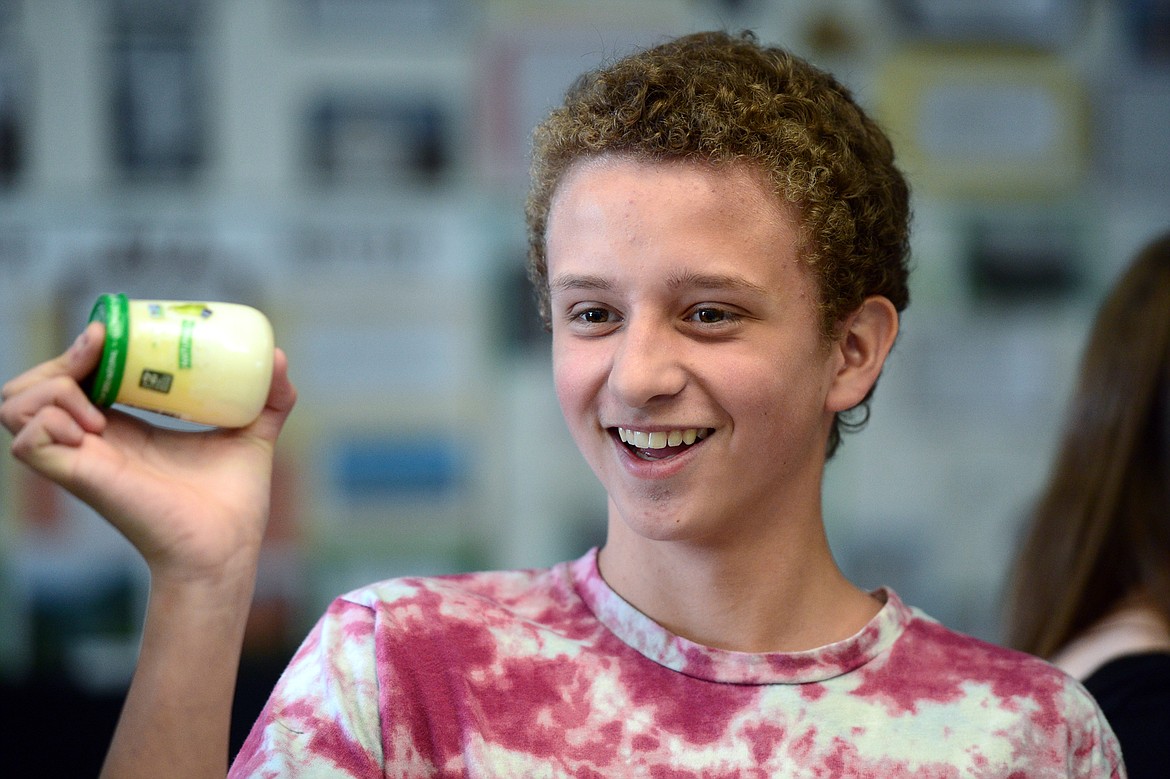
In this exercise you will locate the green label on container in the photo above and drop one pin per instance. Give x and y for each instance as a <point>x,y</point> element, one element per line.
<point>186,336</point>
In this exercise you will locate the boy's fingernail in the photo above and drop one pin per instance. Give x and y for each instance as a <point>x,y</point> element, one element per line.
<point>78,342</point>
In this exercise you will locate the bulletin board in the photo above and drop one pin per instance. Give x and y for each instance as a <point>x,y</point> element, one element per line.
<point>386,320</point>
<point>983,121</point>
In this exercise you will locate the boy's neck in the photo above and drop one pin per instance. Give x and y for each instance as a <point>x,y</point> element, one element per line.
<point>783,594</point>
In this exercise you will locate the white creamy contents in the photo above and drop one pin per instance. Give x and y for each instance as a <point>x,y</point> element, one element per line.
<point>203,362</point>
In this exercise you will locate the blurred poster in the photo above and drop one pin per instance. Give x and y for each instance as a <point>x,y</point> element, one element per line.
<point>158,89</point>
<point>382,139</point>
<point>12,121</point>
<point>1148,25</point>
<point>410,19</point>
<point>1046,23</point>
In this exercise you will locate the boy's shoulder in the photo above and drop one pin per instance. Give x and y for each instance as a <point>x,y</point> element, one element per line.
<point>932,663</point>
<point>520,591</point>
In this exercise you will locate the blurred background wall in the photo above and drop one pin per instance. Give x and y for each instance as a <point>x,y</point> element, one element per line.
<point>356,168</point>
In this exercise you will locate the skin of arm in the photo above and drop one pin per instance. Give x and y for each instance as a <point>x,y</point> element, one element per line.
<point>195,505</point>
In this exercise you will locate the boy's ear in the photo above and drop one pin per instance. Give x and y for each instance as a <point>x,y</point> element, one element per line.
<point>867,336</point>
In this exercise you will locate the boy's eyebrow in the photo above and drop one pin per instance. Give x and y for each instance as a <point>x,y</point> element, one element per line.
<point>713,281</point>
<point>578,281</point>
<point>675,281</point>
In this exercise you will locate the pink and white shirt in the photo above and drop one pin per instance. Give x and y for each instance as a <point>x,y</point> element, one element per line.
<point>549,673</point>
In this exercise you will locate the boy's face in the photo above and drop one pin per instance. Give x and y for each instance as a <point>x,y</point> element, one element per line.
<point>684,324</point>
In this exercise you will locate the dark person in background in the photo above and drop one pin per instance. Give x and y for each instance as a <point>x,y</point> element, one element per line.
<point>1091,587</point>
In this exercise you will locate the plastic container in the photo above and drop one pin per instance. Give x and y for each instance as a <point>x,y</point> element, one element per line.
<point>209,363</point>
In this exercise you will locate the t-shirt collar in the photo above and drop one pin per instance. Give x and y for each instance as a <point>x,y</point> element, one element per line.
<point>650,639</point>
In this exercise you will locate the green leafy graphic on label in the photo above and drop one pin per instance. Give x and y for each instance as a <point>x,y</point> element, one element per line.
<point>155,380</point>
<point>192,309</point>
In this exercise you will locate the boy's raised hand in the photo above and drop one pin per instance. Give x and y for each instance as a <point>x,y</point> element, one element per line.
<point>191,503</point>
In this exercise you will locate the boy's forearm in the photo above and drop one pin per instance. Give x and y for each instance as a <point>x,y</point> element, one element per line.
<point>177,715</point>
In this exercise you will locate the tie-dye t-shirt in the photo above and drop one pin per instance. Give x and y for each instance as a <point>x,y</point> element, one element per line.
<point>549,673</point>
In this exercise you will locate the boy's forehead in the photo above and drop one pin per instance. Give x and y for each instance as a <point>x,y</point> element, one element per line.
<point>720,229</point>
<point>739,197</point>
<point>751,187</point>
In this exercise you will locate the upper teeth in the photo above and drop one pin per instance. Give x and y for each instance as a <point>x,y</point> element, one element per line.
<point>660,439</point>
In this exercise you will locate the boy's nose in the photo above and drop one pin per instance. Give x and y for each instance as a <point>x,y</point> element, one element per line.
<point>646,365</point>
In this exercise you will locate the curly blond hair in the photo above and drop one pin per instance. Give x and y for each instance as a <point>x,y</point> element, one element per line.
<point>718,98</point>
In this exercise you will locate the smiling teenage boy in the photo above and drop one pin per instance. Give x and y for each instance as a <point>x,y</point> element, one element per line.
<point>718,240</point>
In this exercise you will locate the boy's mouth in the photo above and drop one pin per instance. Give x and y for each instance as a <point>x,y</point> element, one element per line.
<point>661,444</point>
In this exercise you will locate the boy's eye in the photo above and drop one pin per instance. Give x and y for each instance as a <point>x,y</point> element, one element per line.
<point>591,315</point>
<point>709,316</point>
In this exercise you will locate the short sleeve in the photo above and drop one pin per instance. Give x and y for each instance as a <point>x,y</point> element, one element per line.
<point>1094,752</point>
<point>322,717</point>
